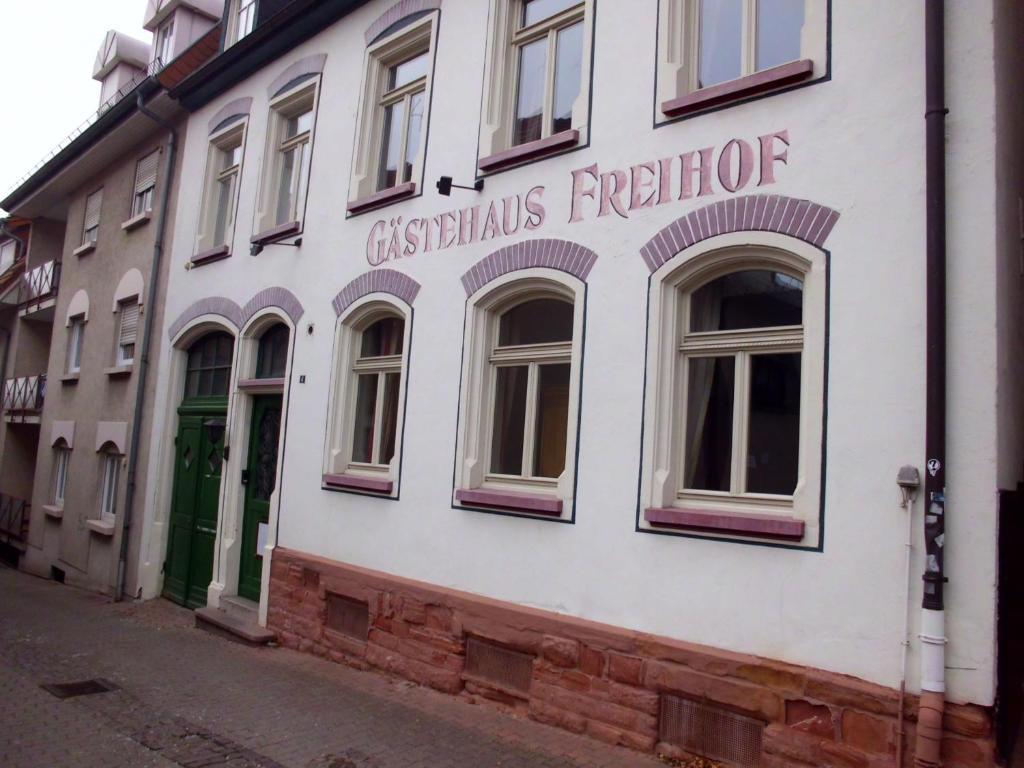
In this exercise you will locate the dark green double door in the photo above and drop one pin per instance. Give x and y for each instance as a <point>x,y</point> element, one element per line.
<point>260,481</point>
<point>199,459</point>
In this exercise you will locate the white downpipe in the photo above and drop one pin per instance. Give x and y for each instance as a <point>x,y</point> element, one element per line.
<point>933,651</point>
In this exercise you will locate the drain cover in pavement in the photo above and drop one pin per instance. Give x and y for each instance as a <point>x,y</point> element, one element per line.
<point>81,688</point>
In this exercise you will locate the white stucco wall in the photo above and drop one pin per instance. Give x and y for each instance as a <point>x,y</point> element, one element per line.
<point>857,145</point>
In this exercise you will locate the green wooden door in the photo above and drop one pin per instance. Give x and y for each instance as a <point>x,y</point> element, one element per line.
<point>199,456</point>
<point>261,479</point>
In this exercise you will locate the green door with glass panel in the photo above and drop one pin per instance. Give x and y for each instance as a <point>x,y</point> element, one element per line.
<point>198,463</point>
<point>260,480</point>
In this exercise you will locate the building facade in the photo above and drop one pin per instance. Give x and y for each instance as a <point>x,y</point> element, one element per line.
<point>577,357</point>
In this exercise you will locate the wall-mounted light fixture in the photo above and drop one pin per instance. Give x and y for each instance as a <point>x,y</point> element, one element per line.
<point>257,248</point>
<point>445,186</point>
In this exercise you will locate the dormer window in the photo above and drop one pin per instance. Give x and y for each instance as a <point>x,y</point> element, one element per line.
<point>242,20</point>
<point>8,250</point>
<point>164,49</point>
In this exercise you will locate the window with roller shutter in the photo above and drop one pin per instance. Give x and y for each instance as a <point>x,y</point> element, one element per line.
<point>91,226</point>
<point>145,183</point>
<point>128,332</point>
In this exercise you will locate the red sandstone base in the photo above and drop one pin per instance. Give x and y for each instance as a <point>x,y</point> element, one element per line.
<point>597,679</point>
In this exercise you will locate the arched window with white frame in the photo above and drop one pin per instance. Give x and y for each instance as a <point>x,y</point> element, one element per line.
<point>520,396</point>
<point>735,399</point>
<point>364,454</point>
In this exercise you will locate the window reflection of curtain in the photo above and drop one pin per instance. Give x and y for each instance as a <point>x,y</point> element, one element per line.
<point>706,315</point>
<point>389,417</point>
<point>552,420</point>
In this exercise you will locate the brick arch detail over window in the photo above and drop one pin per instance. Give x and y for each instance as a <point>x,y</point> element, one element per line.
<point>802,219</point>
<point>563,255</point>
<point>310,65</point>
<point>377,281</point>
<point>280,298</point>
<point>211,305</point>
<point>396,13</point>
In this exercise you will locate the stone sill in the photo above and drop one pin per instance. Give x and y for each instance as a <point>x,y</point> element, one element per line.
<point>741,87</point>
<point>254,386</point>
<point>136,221</point>
<point>357,482</point>
<point>209,256</point>
<point>119,370</point>
<point>53,511</point>
<point>69,378</point>
<point>530,151</point>
<point>101,527</point>
<point>276,233</point>
<point>382,198</point>
<point>532,503</point>
<point>84,248</point>
<point>740,523</point>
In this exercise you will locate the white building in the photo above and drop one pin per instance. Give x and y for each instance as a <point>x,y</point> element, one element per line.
<point>615,439</point>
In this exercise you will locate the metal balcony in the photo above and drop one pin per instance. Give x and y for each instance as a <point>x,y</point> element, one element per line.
<point>23,399</point>
<point>37,291</point>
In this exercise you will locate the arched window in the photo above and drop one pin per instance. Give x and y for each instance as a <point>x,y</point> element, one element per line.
<point>272,356</point>
<point>111,472</point>
<point>209,366</point>
<point>735,394</point>
<point>519,403</point>
<point>61,461</point>
<point>367,408</point>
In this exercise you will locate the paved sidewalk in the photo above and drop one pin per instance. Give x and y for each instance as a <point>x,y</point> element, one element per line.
<point>187,698</point>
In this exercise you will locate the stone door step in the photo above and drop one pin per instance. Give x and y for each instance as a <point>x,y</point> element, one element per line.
<point>227,625</point>
<point>241,608</point>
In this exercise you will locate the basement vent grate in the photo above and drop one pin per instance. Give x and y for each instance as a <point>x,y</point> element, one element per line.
<point>711,732</point>
<point>81,688</point>
<point>348,617</point>
<point>499,665</point>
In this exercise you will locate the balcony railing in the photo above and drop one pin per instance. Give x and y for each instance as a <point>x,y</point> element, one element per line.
<point>14,519</point>
<point>39,284</point>
<point>24,395</point>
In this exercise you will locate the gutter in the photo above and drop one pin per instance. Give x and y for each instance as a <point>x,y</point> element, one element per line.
<point>147,334</point>
<point>928,749</point>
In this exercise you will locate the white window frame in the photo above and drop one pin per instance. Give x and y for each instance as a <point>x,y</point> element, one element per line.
<point>8,251</point>
<point>61,462</point>
<point>242,20</point>
<point>223,141</point>
<point>300,98</point>
<point>664,403</point>
<point>109,478</point>
<point>163,50</point>
<point>679,45</point>
<point>122,359</point>
<point>505,38</point>
<point>76,340</point>
<point>406,43</point>
<point>144,191</point>
<point>344,386</point>
<point>90,234</point>
<point>476,406</point>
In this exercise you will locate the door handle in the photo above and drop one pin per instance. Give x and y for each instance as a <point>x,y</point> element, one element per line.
<point>245,477</point>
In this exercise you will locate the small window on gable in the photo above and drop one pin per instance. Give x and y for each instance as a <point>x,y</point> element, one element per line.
<point>367,410</point>
<point>220,188</point>
<point>76,337</point>
<point>715,51</point>
<point>242,19</point>
<point>518,417</point>
<point>208,371</point>
<point>737,338</point>
<point>538,85</point>
<point>61,461</point>
<point>8,249</point>
<point>91,222</point>
<point>289,150</point>
<point>163,51</point>
<point>394,115</point>
<point>272,355</point>
<point>111,472</point>
<point>145,183</point>
<point>128,329</point>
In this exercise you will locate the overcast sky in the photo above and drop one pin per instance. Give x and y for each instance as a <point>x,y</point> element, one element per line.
<point>46,62</point>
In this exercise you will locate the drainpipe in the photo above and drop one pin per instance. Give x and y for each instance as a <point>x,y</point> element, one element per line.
<point>928,749</point>
<point>147,333</point>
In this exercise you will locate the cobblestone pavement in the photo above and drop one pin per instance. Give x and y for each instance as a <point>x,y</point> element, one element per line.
<point>188,698</point>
